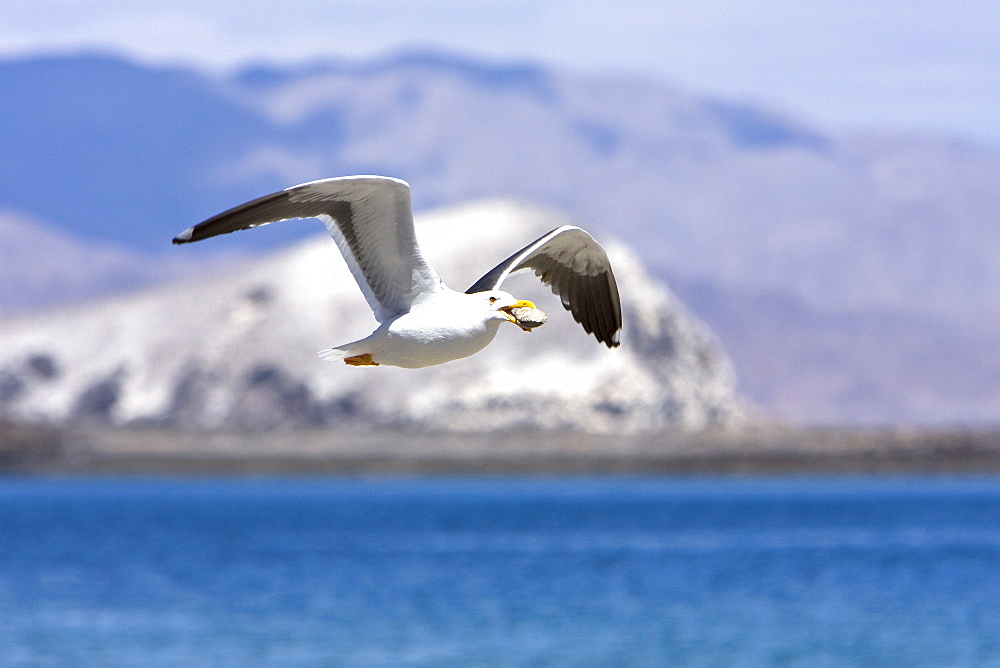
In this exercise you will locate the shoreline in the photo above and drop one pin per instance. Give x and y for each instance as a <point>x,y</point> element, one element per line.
<point>26,450</point>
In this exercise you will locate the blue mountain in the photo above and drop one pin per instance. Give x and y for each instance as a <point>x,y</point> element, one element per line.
<point>830,263</point>
<point>117,151</point>
<point>113,150</point>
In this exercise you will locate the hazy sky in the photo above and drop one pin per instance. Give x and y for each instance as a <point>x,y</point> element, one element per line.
<point>898,64</point>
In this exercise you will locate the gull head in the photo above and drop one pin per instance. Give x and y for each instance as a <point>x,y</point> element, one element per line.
<point>500,304</point>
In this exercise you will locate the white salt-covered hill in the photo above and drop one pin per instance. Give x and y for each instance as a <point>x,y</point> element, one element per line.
<point>238,350</point>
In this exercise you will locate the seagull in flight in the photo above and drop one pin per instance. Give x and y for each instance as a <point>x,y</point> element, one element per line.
<point>422,322</point>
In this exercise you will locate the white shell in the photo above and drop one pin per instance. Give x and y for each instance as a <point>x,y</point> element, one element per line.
<point>529,317</point>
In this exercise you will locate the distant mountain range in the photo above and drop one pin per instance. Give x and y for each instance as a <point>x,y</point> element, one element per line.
<point>41,266</point>
<point>735,204</point>
<point>238,350</point>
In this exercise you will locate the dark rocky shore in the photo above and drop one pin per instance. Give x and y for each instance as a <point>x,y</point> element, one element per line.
<point>772,449</point>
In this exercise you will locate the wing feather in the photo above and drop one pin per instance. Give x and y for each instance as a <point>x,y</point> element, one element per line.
<point>370,219</point>
<point>577,269</point>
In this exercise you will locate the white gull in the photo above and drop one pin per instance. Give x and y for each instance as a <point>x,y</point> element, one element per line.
<point>422,321</point>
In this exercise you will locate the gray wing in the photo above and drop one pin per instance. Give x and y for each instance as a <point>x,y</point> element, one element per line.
<point>370,219</point>
<point>569,261</point>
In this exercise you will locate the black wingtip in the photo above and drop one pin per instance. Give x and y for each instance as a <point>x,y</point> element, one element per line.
<point>184,237</point>
<point>615,340</point>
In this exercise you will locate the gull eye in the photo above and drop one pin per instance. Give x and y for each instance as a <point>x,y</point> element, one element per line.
<point>493,300</point>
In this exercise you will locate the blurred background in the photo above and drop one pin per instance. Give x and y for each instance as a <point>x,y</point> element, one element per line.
<point>817,182</point>
<point>802,206</point>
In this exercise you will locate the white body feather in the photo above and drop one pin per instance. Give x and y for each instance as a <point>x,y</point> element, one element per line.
<point>448,326</point>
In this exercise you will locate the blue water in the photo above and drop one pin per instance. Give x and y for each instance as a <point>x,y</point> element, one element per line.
<point>810,572</point>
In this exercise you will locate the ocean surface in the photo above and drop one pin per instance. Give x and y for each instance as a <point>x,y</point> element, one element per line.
<point>500,572</point>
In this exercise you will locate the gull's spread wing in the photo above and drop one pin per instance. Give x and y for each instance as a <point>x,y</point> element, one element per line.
<point>370,219</point>
<point>569,261</point>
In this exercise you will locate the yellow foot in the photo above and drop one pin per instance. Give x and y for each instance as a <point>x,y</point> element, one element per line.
<point>360,360</point>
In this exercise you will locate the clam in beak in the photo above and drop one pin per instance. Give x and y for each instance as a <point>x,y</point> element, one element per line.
<point>523,303</point>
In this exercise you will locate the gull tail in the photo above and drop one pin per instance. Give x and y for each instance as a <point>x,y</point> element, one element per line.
<point>354,354</point>
<point>337,353</point>
<point>332,354</point>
